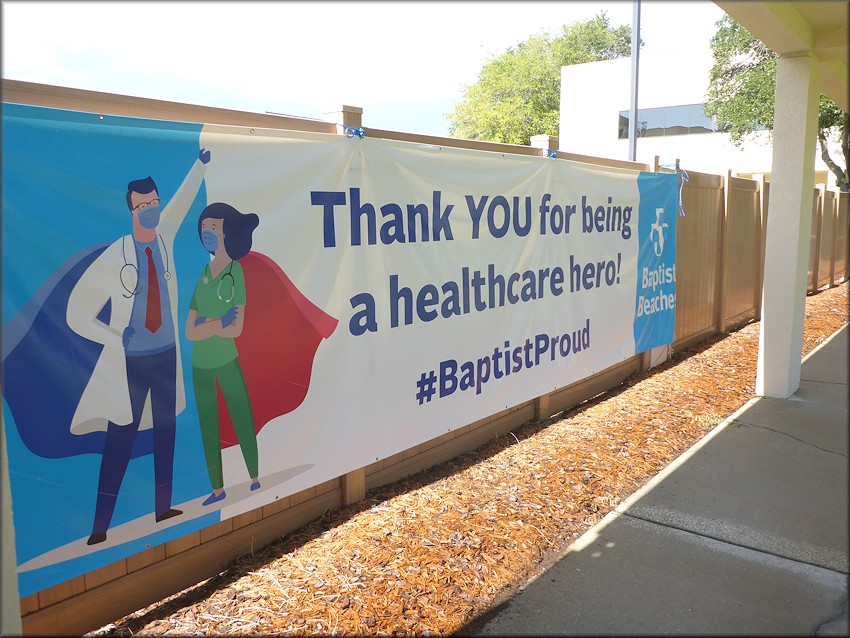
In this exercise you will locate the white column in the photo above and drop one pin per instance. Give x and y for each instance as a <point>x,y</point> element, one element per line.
<point>789,224</point>
<point>10,620</point>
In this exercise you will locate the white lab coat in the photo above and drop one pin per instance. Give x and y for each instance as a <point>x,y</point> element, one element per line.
<point>107,396</point>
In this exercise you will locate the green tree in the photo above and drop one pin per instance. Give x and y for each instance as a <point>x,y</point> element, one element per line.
<point>518,93</point>
<point>741,94</point>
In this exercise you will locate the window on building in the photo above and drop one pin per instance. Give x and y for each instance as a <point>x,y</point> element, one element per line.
<point>686,119</point>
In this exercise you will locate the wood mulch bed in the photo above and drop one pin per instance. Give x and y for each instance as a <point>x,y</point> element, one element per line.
<point>429,554</point>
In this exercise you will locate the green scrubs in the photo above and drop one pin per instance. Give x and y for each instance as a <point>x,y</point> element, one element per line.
<point>216,359</point>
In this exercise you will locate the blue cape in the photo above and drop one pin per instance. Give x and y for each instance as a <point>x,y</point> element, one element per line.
<point>46,367</point>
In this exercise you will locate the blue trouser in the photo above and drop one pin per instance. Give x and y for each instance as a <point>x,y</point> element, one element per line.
<point>157,374</point>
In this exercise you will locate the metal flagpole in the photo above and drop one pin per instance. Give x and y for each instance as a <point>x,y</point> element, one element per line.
<point>634,96</point>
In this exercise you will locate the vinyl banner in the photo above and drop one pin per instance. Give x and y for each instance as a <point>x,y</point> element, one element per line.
<point>200,320</point>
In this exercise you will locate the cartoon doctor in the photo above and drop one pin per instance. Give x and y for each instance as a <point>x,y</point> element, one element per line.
<point>137,382</point>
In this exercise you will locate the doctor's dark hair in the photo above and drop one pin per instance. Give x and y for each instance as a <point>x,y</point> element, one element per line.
<point>238,227</point>
<point>140,186</point>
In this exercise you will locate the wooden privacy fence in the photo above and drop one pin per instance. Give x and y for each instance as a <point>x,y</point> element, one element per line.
<point>720,257</point>
<point>828,246</point>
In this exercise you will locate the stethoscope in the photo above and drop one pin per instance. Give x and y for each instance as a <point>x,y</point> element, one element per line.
<point>133,269</point>
<point>207,279</point>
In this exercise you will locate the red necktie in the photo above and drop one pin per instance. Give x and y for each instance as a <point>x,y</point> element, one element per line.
<point>153,313</point>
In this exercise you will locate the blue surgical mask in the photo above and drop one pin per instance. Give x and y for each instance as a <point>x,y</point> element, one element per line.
<point>149,216</point>
<point>209,239</point>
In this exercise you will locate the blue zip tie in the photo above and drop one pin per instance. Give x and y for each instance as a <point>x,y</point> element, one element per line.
<point>683,177</point>
<point>351,132</point>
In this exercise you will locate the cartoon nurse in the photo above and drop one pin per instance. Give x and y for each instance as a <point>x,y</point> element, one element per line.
<point>216,318</point>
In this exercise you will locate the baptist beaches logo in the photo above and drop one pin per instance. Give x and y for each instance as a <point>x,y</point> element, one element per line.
<point>661,275</point>
<point>658,232</point>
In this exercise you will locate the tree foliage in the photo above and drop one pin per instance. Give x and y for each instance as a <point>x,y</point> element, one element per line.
<point>742,89</point>
<point>518,93</point>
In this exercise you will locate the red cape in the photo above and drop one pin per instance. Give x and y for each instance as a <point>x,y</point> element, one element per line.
<point>282,331</point>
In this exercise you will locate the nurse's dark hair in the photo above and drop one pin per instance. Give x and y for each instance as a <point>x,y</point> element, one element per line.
<point>238,227</point>
<point>140,186</point>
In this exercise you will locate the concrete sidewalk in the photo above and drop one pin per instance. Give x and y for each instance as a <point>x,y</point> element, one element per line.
<point>745,534</point>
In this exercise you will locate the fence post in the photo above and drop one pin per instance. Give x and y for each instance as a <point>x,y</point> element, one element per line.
<point>722,271</point>
<point>833,239</point>
<point>351,116</point>
<point>818,226</point>
<point>10,620</point>
<point>545,143</point>
<point>841,223</point>
<point>352,484</point>
<point>762,222</point>
<point>645,358</point>
<point>541,408</point>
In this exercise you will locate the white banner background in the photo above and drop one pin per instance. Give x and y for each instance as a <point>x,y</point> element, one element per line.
<point>418,349</point>
<point>362,405</point>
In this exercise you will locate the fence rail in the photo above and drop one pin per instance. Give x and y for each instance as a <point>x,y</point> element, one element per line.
<point>720,261</point>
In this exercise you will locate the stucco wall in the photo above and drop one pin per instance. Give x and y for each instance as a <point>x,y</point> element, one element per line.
<point>593,94</point>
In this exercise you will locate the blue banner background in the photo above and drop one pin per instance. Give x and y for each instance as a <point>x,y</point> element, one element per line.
<point>70,172</point>
<point>657,191</point>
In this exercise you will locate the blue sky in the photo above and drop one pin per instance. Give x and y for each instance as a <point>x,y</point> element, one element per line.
<point>405,63</point>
